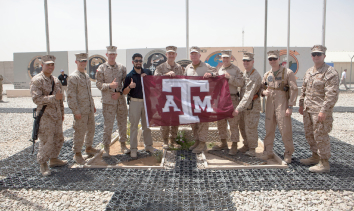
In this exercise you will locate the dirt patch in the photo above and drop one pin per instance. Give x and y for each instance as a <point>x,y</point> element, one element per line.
<point>148,161</point>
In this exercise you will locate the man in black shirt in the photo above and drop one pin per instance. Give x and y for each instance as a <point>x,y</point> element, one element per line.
<point>63,79</point>
<point>132,87</point>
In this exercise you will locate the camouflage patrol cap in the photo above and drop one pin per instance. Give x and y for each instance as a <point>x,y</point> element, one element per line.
<point>226,53</point>
<point>111,49</point>
<point>273,54</point>
<point>48,59</point>
<point>171,49</point>
<point>248,56</point>
<point>195,49</point>
<point>81,57</point>
<point>319,48</point>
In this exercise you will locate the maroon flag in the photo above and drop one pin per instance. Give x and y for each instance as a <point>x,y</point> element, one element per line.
<point>180,100</point>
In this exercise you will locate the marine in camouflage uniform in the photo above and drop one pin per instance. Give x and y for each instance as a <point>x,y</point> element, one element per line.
<point>51,124</point>
<point>1,79</point>
<point>110,77</point>
<point>199,68</point>
<point>169,68</point>
<point>249,106</point>
<point>319,94</point>
<point>279,105</point>
<point>81,103</point>
<point>235,80</point>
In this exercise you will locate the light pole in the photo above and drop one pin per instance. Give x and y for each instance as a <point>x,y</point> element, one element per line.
<point>187,28</point>
<point>46,25</point>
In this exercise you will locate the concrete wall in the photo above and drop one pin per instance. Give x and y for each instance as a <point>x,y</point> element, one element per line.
<point>22,63</point>
<point>7,71</point>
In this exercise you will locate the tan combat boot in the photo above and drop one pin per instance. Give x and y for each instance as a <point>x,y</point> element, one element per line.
<point>44,169</point>
<point>196,143</point>
<point>267,157</point>
<point>165,143</point>
<point>150,149</point>
<point>106,151</point>
<point>200,148</point>
<point>321,167</point>
<point>173,143</point>
<point>221,146</point>
<point>287,158</point>
<point>79,159</point>
<point>233,150</point>
<point>134,153</point>
<point>244,149</point>
<point>251,152</point>
<point>54,162</point>
<point>314,159</point>
<point>91,151</point>
<point>123,148</point>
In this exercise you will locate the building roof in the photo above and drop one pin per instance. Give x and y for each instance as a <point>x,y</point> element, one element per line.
<point>339,56</point>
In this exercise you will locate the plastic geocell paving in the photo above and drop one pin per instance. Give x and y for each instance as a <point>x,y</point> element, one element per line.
<point>238,158</point>
<point>185,187</point>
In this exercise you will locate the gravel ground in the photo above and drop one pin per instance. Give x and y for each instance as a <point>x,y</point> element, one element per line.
<point>15,132</point>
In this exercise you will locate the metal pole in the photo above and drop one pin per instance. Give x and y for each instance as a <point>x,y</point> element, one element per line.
<point>187,29</point>
<point>46,25</point>
<point>287,48</point>
<point>110,23</point>
<point>324,23</point>
<point>86,36</point>
<point>265,46</point>
<point>351,61</point>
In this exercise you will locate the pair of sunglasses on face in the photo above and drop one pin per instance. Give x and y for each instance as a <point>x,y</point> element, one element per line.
<point>316,54</point>
<point>138,61</point>
<point>272,59</point>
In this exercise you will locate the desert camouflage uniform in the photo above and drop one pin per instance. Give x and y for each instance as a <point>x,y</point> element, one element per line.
<point>249,109</point>
<point>277,103</point>
<point>1,79</point>
<point>200,130</point>
<point>112,109</point>
<point>319,93</point>
<point>80,101</point>
<point>236,80</point>
<point>162,69</point>
<point>51,124</point>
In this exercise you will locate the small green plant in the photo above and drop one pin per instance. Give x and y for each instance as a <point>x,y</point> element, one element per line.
<point>158,155</point>
<point>182,141</point>
<point>211,145</point>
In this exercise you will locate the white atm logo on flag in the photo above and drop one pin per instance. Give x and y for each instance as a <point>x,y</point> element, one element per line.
<point>186,85</point>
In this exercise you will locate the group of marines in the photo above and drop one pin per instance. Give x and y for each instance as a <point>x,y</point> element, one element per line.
<point>318,96</point>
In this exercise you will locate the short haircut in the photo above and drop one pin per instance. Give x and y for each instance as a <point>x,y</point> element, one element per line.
<point>137,55</point>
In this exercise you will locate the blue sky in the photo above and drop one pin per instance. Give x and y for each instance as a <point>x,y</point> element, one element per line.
<point>158,23</point>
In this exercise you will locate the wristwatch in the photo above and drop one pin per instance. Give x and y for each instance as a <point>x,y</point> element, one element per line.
<point>121,93</point>
<point>290,107</point>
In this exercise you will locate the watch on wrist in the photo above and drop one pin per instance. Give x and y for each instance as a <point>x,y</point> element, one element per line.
<point>290,107</point>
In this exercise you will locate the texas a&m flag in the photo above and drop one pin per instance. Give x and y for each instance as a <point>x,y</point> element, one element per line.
<point>180,100</point>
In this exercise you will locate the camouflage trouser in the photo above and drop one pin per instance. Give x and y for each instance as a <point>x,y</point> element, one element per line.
<point>200,131</point>
<point>169,129</point>
<point>249,127</point>
<point>317,134</point>
<point>82,127</point>
<point>111,112</point>
<point>222,125</point>
<point>52,139</point>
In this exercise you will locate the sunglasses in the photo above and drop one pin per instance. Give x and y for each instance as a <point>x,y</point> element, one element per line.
<point>246,60</point>
<point>272,59</point>
<point>316,54</point>
<point>138,61</point>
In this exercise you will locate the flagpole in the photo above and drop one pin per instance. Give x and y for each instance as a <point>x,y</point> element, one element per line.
<point>187,28</point>
<point>288,44</point>
<point>265,46</point>
<point>110,22</point>
<point>324,23</point>
<point>46,25</point>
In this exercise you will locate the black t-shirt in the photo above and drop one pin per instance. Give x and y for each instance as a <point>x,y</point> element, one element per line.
<point>136,92</point>
<point>63,79</point>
